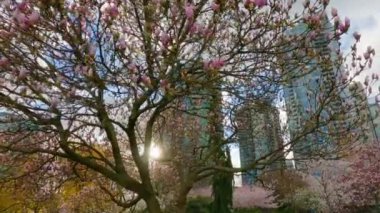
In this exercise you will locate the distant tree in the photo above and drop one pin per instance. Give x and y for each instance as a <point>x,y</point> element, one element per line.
<point>362,181</point>
<point>284,184</point>
<point>253,197</point>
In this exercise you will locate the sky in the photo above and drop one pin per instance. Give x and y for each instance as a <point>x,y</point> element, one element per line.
<point>365,19</point>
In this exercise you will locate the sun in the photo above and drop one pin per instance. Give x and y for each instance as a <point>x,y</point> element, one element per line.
<point>155,152</point>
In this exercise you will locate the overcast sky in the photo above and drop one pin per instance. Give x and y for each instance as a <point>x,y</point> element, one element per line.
<point>365,18</point>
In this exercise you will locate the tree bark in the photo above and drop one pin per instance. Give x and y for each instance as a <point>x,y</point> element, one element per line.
<point>152,204</point>
<point>180,205</point>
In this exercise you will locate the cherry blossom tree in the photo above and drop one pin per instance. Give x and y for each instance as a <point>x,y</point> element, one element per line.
<point>361,183</point>
<point>97,77</point>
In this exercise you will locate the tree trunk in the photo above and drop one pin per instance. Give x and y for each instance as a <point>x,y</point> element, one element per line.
<point>181,204</point>
<point>152,204</point>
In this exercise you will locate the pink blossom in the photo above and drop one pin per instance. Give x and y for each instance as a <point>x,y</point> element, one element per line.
<point>315,19</point>
<point>164,83</point>
<point>33,18</point>
<point>255,196</point>
<point>23,6</point>
<point>343,27</point>
<point>261,3</point>
<point>357,36</point>
<point>165,39</point>
<point>334,12</point>
<point>19,17</point>
<point>347,22</point>
<point>249,4</point>
<point>193,28</point>
<point>312,35</point>
<point>110,10</point>
<point>215,7</point>
<point>189,11</point>
<point>132,67</point>
<point>5,34</point>
<point>146,81</point>
<point>121,44</point>
<point>113,11</point>
<point>4,62</point>
<point>213,64</point>
<point>217,64</point>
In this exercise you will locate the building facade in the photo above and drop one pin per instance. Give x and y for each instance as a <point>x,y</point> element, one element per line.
<point>313,100</point>
<point>258,135</point>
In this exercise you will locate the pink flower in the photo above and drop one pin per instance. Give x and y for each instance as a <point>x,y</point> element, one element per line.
<point>347,22</point>
<point>113,11</point>
<point>5,34</point>
<point>343,27</point>
<point>261,3</point>
<point>132,67</point>
<point>193,28</point>
<point>315,19</point>
<point>146,81</point>
<point>312,35</point>
<point>189,11</point>
<point>165,39</point>
<point>215,7</point>
<point>4,62</point>
<point>334,12</point>
<point>164,84</point>
<point>23,6</point>
<point>110,10</point>
<point>19,17</point>
<point>121,44</point>
<point>249,4</point>
<point>33,18</point>
<point>213,64</point>
<point>357,36</point>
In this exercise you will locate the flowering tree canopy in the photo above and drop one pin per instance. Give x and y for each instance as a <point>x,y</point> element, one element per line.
<point>97,77</point>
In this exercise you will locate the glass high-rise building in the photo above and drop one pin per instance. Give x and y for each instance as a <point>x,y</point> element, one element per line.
<point>313,100</point>
<point>258,135</point>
